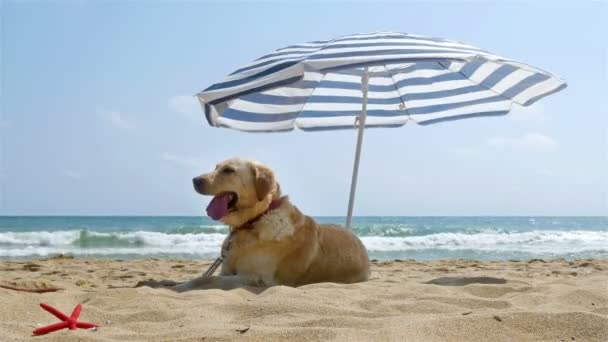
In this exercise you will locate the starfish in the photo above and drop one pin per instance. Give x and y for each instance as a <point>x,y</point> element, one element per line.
<point>71,322</point>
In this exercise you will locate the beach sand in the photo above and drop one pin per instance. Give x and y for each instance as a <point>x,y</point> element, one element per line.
<point>538,300</point>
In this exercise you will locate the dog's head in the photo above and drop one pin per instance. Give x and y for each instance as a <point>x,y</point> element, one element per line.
<point>241,190</point>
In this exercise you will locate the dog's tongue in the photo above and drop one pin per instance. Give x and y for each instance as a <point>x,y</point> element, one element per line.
<point>218,207</point>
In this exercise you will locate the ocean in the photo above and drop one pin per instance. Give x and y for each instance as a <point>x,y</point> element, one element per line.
<point>421,238</point>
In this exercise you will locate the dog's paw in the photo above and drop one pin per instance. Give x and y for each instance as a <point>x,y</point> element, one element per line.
<point>156,284</point>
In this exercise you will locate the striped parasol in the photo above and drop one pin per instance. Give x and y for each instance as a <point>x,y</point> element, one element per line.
<point>383,79</point>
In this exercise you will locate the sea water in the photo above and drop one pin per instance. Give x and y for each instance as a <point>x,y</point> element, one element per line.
<point>421,238</point>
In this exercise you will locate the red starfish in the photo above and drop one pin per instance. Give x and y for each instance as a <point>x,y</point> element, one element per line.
<point>68,322</point>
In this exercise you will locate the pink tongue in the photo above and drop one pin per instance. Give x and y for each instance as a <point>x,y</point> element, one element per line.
<point>218,207</point>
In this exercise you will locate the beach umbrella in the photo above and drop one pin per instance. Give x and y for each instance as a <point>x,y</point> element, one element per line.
<point>383,79</point>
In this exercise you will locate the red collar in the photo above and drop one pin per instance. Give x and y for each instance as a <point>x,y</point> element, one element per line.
<point>249,224</point>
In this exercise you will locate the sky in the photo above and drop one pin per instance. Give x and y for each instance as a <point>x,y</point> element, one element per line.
<point>97,114</point>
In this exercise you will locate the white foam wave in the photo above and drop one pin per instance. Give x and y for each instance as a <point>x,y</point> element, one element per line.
<point>110,252</point>
<point>13,244</point>
<point>26,244</point>
<point>534,241</point>
<point>39,238</point>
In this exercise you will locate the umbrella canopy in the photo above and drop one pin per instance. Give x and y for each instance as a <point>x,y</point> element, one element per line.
<point>381,79</point>
<point>317,85</point>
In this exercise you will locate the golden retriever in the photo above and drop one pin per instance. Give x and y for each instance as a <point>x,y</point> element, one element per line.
<point>271,242</point>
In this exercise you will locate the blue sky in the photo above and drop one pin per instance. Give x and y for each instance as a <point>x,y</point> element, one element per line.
<point>97,114</point>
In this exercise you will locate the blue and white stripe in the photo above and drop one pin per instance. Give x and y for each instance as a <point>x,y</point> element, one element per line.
<point>317,85</point>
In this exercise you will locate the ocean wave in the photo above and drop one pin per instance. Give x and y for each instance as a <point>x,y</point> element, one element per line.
<point>145,243</point>
<point>112,253</point>
<point>208,229</point>
<point>87,239</point>
<point>531,242</point>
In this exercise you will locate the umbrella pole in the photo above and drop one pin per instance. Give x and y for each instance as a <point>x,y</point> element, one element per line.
<point>361,119</point>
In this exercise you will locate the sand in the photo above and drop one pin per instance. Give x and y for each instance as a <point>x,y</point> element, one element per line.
<point>405,300</point>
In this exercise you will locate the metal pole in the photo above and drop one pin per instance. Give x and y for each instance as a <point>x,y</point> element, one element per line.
<point>362,117</point>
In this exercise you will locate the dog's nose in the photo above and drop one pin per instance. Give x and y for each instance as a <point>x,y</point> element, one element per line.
<point>199,184</point>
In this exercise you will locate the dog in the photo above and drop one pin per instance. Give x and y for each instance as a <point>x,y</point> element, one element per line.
<point>270,241</point>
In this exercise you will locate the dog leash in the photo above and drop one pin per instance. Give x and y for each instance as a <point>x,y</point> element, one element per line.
<point>220,259</point>
<point>213,267</point>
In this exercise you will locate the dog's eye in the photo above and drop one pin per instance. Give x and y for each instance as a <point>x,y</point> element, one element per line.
<point>227,170</point>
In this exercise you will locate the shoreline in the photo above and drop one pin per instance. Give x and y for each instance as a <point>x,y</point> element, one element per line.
<point>452,299</point>
<point>203,260</point>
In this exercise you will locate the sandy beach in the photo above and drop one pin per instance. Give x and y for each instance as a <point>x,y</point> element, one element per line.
<point>405,300</point>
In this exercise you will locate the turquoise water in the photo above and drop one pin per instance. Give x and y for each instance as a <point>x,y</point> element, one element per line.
<point>422,238</point>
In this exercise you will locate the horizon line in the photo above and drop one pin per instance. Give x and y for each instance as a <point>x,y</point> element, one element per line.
<point>320,216</point>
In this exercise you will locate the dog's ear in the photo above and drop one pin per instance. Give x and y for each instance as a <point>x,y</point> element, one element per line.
<point>264,180</point>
